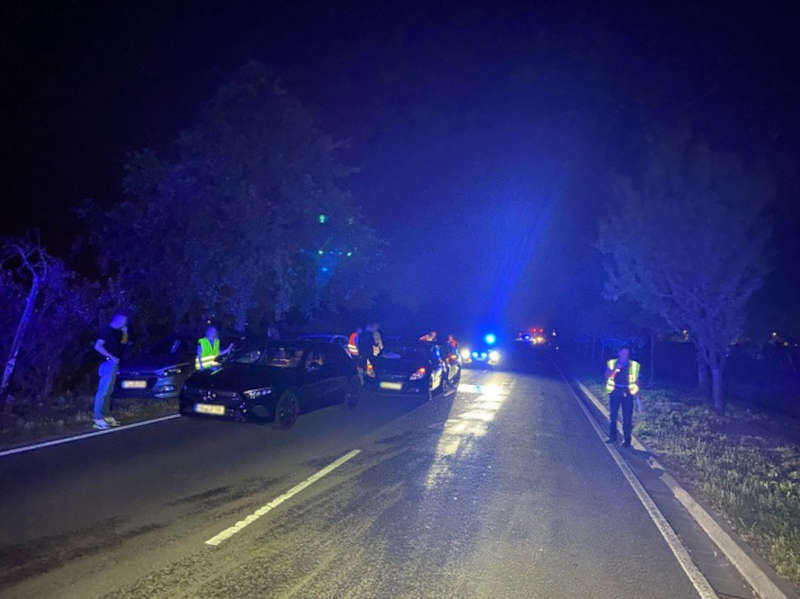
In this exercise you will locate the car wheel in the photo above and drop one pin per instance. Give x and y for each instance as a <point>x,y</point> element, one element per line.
<point>352,394</point>
<point>287,408</point>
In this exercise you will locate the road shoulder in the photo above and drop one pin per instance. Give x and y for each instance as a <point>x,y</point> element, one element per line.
<point>726,560</point>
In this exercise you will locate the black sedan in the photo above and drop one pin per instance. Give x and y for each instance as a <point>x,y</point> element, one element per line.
<point>413,368</point>
<point>274,380</point>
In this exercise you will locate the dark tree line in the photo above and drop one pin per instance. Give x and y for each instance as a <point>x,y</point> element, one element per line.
<point>249,219</point>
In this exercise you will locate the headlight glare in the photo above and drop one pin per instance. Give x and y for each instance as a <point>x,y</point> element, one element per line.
<point>255,393</point>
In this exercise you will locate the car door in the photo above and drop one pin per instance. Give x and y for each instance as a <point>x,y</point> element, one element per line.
<point>313,376</point>
<point>337,370</point>
<point>436,366</point>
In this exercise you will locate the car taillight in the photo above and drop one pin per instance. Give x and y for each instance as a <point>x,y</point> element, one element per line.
<point>418,374</point>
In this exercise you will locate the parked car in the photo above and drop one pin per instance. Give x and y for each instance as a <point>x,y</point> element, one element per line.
<point>158,372</point>
<point>413,368</point>
<point>275,380</point>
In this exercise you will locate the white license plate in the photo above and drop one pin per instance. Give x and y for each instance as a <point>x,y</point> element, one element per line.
<point>208,408</point>
<point>392,386</point>
<point>134,384</point>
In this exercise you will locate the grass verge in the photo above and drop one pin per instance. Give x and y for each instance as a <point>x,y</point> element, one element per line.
<point>73,415</point>
<point>746,464</point>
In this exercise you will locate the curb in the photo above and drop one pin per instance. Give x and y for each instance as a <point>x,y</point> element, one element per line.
<point>752,572</point>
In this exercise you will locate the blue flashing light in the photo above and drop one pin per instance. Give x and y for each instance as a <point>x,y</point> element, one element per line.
<point>323,218</point>
<point>490,338</point>
<point>324,269</point>
<point>320,252</point>
<point>349,254</point>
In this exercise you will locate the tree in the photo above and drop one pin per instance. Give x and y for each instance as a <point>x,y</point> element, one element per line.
<point>231,228</point>
<point>687,240</point>
<point>30,262</point>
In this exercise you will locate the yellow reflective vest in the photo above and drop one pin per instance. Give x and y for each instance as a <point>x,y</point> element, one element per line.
<point>208,352</point>
<point>633,377</point>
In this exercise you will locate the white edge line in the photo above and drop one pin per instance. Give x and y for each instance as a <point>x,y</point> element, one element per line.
<point>749,570</point>
<point>63,440</point>
<point>266,508</point>
<point>696,577</point>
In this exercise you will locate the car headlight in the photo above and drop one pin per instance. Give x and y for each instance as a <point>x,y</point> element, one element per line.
<point>465,354</point>
<point>417,374</point>
<point>494,356</point>
<point>175,370</point>
<point>260,392</point>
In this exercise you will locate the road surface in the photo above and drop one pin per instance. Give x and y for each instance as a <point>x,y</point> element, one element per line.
<point>500,490</point>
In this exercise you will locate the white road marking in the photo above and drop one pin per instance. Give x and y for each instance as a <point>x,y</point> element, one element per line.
<point>265,509</point>
<point>701,585</point>
<point>63,440</point>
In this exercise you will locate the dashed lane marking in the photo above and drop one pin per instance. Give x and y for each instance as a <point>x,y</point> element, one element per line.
<point>265,509</point>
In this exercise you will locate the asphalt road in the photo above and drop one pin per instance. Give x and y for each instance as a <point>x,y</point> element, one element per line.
<point>500,490</point>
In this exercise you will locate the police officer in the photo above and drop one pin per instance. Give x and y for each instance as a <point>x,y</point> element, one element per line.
<point>622,386</point>
<point>208,350</point>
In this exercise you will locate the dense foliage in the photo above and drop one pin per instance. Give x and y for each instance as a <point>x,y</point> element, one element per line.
<point>248,223</point>
<point>687,240</point>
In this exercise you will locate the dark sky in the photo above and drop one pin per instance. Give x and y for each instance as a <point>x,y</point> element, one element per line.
<point>486,131</point>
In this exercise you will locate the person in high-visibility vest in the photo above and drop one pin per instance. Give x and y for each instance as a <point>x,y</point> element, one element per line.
<point>352,342</point>
<point>208,350</point>
<point>622,386</point>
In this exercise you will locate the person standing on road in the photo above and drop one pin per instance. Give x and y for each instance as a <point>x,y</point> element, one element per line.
<point>208,350</point>
<point>377,339</point>
<point>622,386</point>
<point>110,344</point>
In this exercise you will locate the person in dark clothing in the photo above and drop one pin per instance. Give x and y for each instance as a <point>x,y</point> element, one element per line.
<point>366,345</point>
<point>110,344</point>
<point>622,386</point>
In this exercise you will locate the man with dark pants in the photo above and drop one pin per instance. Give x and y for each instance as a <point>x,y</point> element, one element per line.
<point>622,386</point>
<point>110,344</point>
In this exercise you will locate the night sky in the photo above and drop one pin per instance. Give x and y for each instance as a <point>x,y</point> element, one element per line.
<point>485,132</point>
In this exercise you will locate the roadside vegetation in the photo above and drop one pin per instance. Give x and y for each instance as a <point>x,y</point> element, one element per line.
<point>745,463</point>
<point>69,414</point>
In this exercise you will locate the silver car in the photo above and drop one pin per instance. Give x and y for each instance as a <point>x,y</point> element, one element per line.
<point>160,372</point>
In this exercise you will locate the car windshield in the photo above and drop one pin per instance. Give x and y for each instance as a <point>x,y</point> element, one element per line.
<point>407,351</point>
<point>174,346</point>
<point>282,356</point>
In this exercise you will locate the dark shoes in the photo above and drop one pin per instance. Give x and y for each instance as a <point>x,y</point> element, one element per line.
<point>626,444</point>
